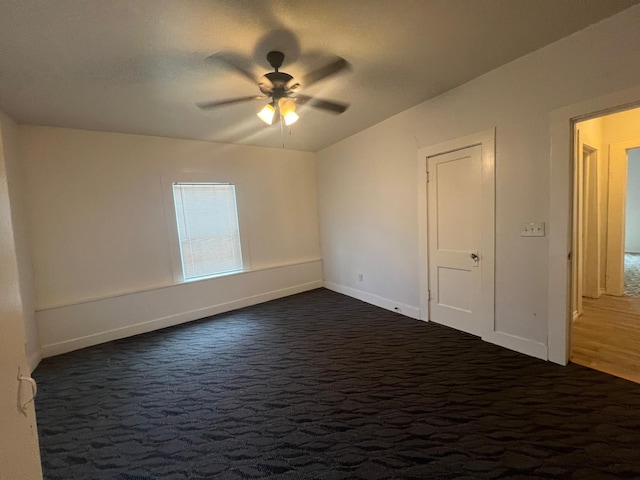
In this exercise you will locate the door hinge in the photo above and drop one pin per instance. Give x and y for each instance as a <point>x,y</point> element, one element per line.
<point>427,176</point>
<point>429,295</point>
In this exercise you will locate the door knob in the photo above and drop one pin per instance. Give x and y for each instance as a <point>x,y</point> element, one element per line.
<point>475,257</point>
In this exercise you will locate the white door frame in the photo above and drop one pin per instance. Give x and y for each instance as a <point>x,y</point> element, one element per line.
<point>487,141</point>
<point>560,206</point>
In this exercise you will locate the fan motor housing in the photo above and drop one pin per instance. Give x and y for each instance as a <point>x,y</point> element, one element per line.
<point>279,81</point>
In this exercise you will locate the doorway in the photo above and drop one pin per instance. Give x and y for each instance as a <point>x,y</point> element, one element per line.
<point>632,226</point>
<point>605,320</point>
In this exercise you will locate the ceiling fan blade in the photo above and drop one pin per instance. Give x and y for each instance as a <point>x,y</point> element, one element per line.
<point>326,71</point>
<point>229,101</point>
<point>328,105</point>
<point>266,86</point>
<point>234,62</point>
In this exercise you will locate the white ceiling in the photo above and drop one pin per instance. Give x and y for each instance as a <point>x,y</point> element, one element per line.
<point>138,66</point>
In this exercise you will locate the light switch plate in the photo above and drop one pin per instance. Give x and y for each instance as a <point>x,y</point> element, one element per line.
<point>533,230</point>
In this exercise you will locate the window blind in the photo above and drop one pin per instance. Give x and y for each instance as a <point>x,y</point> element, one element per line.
<point>208,232</point>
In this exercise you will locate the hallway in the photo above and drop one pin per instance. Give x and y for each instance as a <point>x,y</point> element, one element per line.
<point>606,337</point>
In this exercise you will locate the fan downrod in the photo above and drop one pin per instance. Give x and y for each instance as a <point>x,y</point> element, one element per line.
<point>275,59</point>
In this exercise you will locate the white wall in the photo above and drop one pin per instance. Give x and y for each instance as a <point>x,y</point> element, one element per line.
<point>15,178</point>
<point>19,454</point>
<point>632,227</point>
<point>621,126</point>
<point>98,229</point>
<point>368,183</point>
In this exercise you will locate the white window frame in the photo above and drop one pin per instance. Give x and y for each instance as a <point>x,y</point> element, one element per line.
<point>168,180</point>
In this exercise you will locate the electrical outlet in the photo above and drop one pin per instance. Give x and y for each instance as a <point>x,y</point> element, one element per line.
<point>533,230</point>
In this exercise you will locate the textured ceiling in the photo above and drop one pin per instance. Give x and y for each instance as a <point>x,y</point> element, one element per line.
<point>138,66</point>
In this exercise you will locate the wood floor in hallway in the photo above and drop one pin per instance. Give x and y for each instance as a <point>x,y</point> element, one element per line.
<point>606,337</point>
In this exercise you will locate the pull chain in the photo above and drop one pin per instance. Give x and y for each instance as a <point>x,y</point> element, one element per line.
<point>282,130</point>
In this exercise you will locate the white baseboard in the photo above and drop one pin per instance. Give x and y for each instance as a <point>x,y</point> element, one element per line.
<point>378,301</point>
<point>89,322</point>
<point>34,360</point>
<point>172,320</point>
<point>518,344</point>
<point>512,342</point>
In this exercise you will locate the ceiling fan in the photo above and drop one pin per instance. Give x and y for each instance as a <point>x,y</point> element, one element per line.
<point>281,89</point>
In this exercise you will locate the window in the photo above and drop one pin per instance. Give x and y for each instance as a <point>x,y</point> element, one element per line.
<point>208,232</point>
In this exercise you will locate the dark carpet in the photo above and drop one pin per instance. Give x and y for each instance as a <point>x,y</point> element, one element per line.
<point>322,386</point>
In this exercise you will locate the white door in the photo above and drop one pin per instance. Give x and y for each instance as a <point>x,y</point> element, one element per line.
<point>455,237</point>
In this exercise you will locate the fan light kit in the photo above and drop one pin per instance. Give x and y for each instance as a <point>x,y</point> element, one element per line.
<point>281,89</point>
<point>286,108</point>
